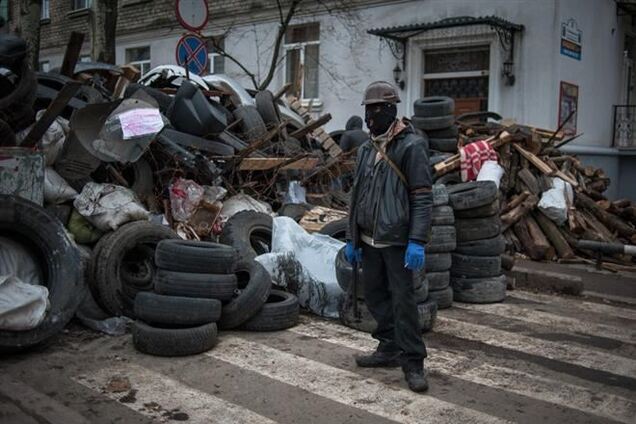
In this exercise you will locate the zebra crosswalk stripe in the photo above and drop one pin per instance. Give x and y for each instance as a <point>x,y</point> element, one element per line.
<point>163,399</point>
<point>345,387</point>
<point>504,378</point>
<point>561,351</point>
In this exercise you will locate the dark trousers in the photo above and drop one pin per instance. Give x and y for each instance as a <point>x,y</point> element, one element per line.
<point>390,297</point>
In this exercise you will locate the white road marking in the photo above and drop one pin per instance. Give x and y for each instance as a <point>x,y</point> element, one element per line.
<point>561,351</point>
<point>504,378</point>
<point>40,405</point>
<point>558,322</point>
<point>582,305</point>
<point>345,387</point>
<point>159,397</point>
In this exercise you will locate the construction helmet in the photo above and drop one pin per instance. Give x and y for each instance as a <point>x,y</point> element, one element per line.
<point>380,92</point>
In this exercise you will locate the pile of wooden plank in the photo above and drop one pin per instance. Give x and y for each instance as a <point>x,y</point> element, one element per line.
<point>531,159</point>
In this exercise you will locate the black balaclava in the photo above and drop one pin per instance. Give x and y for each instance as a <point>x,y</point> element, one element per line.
<point>379,117</point>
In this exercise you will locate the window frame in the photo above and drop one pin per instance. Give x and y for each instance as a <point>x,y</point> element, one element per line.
<point>213,54</point>
<point>87,5</point>
<point>301,47</point>
<point>45,11</point>
<point>139,63</point>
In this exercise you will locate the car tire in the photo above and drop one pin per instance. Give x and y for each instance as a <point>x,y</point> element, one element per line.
<point>434,106</point>
<point>477,228</point>
<point>466,266</point>
<point>440,195</point>
<point>442,239</point>
<point>443,298</point>
<point>443,144</point>
<point>485,247</point>
<point>437,262</point>
<point>255,286</point>
<point>449,132</point>
<point>448,179</point>
<point>118,271</point>
<point>157,309</point>
<point>472,194</point>
<point>280,311</point>
<point>32,225</point>
<point>267,108</point>
<point>249,232</point>
<point>173,341</point>
<point>433,123</point>
<point>186,284</point>
<point>481,212</point>
<point>442,215</point>
<point>336,229</point>
<point>479,290</point>
<point>195,257</point>
<point>438,280</point>
<point>252,125</point>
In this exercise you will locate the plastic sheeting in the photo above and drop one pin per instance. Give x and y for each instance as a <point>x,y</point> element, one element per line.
<point>53,139</point>
<point>555,202</point>
<point>109,206</point>
<point>305,264</point>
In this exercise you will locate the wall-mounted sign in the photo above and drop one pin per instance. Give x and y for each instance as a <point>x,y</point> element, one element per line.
<point>568,104</point>
<point>571,39</point>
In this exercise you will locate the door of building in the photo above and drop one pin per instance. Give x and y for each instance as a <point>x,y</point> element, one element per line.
<point>461,73</point>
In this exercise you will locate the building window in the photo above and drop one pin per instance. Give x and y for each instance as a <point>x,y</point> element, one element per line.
<point>81,4</point>
<point>85,58</point>
<point>140,58</point>
<point>302,52</point>
<point>46,10</point>
<point>4,11</point>
<point>460,73</point>
<point>45,66</point>
<point>216,62</point>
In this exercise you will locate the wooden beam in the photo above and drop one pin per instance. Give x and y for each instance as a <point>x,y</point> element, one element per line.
<point>72,53</point>
<point>516,214</point>
<point>311,125</point>
<point>264,164</point>
<point>553,234</point>
<point>284,89</point>
<point>453,162</point>
<point>533,159</point>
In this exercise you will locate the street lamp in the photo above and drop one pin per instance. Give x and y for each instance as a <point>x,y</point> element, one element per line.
<point>397,76</point>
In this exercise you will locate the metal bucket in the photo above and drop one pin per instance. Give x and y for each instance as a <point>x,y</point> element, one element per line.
<point>22,173</point>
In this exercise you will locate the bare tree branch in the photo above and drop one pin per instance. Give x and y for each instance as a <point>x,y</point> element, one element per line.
<point>220,50</point>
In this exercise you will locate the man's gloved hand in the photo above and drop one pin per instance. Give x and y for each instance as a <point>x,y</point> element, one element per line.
<point>351,254</point>
<point>414,257</point>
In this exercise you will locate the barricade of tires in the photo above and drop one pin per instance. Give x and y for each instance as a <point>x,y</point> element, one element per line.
<point>439,248</point>
<point>435,116</point>
<point>476,273</point>
<point>203,287</point>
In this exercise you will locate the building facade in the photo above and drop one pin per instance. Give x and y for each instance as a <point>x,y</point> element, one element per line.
<point>535,61</point>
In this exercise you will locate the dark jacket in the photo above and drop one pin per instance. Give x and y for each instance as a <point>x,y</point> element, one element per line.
<point>382,206</point>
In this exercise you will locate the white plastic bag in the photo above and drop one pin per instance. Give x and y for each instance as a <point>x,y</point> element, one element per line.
<point>185,196</point>
<point>109,206</point>
<point>306,265</point>
<point>53,139</point>
<point>490,171</point>
<point>243,202</point>
<point>22,306</point>
<point>554,202</point>
<point>295,193</point>
<point>56,189</point>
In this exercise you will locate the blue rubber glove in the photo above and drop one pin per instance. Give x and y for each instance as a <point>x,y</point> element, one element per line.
<point>414,257</point>
<point>351,254</point>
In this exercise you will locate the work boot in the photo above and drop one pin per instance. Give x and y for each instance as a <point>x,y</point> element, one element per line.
<point>379,360</point>
<point>416,378</point>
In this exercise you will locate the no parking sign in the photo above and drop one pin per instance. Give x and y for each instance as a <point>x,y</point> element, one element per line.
<point>192,54</point>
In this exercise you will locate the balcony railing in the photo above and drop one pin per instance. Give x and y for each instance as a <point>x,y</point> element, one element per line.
<point>624,136</point>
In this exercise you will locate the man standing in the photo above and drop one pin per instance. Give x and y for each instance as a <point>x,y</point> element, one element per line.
<point>353,136</point>
<point>389,225</point>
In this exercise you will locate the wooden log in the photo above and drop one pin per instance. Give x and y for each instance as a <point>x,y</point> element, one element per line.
<point>515,201</point>
<point>513,240</point>
<point>72,53</point>
<point>507,262</point>
<point>621,203</point>
<point>606,205</point>
<point>595,228</point>
<point>530,181</point>
<point>516,214</point>
<point>538,237</point>
<point>576,222</point>
<point>628,213</point>
<point>534,160</point>
<point>535,249</point>
<point>312,125</point>
<point>553,234</point>
<point>611,221</point>
<point>599,185</point>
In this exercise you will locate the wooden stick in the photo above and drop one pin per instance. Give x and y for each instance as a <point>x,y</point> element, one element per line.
<point>72,53</point>
<point>284,89</point>
<point>516,201</point>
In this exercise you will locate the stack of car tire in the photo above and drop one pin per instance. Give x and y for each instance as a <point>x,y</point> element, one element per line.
<point>439,248</point>
<point>476,274</point>
<point>435,117</point>
<point>199,288</point>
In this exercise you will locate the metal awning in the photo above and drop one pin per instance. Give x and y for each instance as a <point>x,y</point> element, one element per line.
<point>404,32</point>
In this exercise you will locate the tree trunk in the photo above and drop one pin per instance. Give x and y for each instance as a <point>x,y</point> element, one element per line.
<point>103,30</point>
<point>30,11</point>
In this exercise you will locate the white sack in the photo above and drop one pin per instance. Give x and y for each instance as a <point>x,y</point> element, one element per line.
<point>243,202</point>
<point>53,139</point>
<point>305,264</point>
<point>109,206</point>
<point>16,260</point>
<point>554,202</point>
<point>490,171</point>
<point>22,306</point>
<point>56,189</point>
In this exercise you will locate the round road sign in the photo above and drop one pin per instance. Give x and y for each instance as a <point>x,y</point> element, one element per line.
<point>192,14</point>
<point>192,53</point>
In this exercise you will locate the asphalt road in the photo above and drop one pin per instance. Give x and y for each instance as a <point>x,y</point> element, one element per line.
<point>533,359</point>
